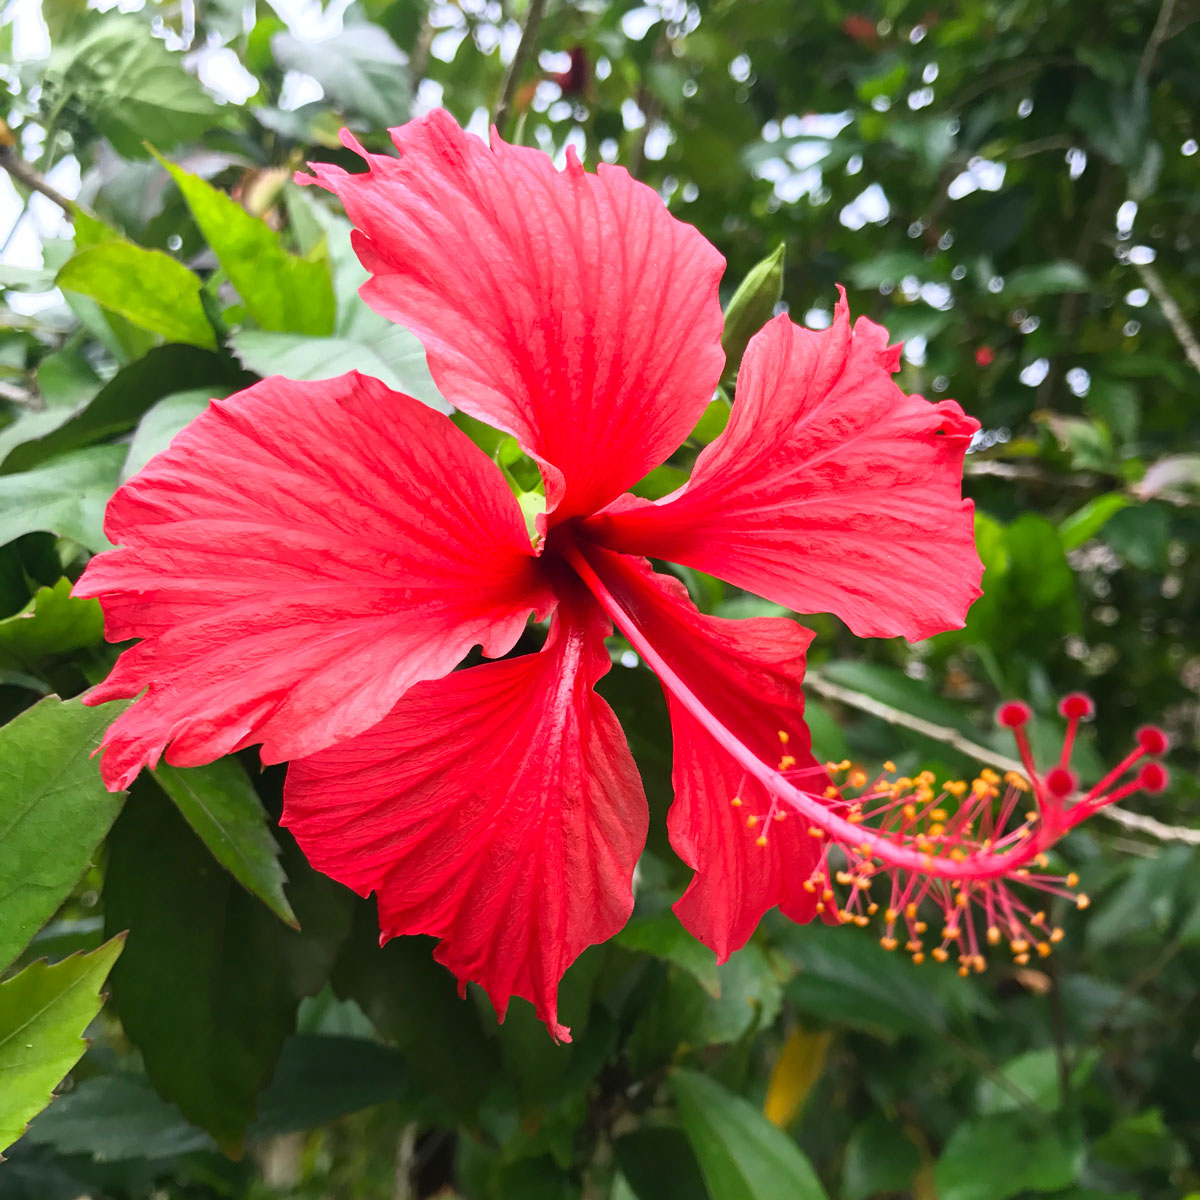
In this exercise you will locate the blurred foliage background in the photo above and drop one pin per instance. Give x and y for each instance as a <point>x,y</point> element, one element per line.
<point>1011,187</point>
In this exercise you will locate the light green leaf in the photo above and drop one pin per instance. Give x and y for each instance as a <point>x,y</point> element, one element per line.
<point>131,86</point>
<point>54,812</point>
<point>362,71</point>
<point>219,802</point>
<point>281,291</point>
<point>53,622</point>
<point>742,1155</point>
<point>393,356</point>
<point>67,496</point>
<point>146,287</point>
<point>160,425</point>
<point>44,1011</point>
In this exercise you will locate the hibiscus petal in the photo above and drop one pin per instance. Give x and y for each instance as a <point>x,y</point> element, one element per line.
<point>748,673</point>
<point>829,491</point>
<point>300,556</point>
<point>570,309</point>
<point>498,809</point>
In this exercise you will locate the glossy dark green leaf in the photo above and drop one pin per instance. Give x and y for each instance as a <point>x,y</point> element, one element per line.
<point>54,812</point>
<point>664,937</point>
<point>220,804</point>
<point>209,1002</point>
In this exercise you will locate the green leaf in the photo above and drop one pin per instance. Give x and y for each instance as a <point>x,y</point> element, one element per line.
<point>118,406</point>
<point>318,1080</point>
<point>1033,1076</point>
<point>44,1011</point>
<point>66,496</point>
<point>392,355</point>
<point>879,1158</point>
<point>210,983</point>
<point>219,802</point>
<point>995,1158</point>
<point>146,287</point>
<point>66,383</point>
<point>412,1001</point>
<point>847,980</point>
<point>131,86</point>
<point>54,812</point>
<point>1085,522</point>
<point>742,1155</point>
<point>658,1164</point>
<point>664,937</point>
<point>363,72</point>
<point>1045,279</point>
<point>52,623</point>
<point>162,423</point>
<point>281,291</point>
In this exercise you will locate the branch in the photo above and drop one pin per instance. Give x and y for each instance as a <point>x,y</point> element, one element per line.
<point>1158,35</point>
<point>957,741</point>
<point>516,68</point>
<point>22,172</point>
<point>1173,313</point>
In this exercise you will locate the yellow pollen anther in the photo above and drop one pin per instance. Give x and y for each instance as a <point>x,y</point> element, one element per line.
<point>809,886</point>
<point>938,814</point>
<point>784,737</point>
<point>1021,959</point>
<point>962,900</point>
<point>890,915</point>
<point>785,762</point>
<point>844,765</point>
<point>1072,880</point>
<point>989,776</point>
<point>993,935</point>
<point>815,831</point>
<point>1082,901</point>
<point>751,821</point>
<point>760,841</point>
<point>910,911</point>
<point>779,816</point>
<point>1056,934</point>
<point>831,792</point>
<point>1041,861</point>
<point>736,802</point>
<point>889,767</point>
<point>940,954</point>
<point>918,958</point>
<point>888,943</point>
<point>1014,779</point>
<point>858,778</point>
<point>1043,949</point>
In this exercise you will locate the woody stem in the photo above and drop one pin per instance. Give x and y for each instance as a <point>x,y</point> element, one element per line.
<point>980,866</point>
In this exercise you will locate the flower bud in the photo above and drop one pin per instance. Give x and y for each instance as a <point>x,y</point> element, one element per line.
<point>752,306</point>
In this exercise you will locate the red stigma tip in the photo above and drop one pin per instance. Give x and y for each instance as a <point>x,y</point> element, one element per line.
<point>1077,706</point>
<point>1153,740</point>
<point>1013,714</point>
<point>1060,782</point>
<point>1154,777</point>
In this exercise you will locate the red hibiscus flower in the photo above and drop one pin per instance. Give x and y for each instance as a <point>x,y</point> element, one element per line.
<point>309,562</point>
